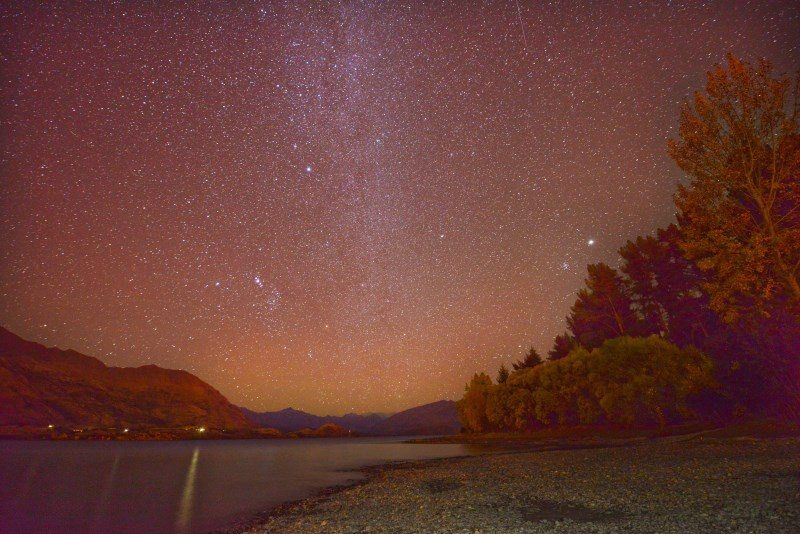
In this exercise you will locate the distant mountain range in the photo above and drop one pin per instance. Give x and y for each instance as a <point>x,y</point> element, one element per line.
<point>42,386</point>
<point>435,418</point>
<point>438,417</point>
<point>291,420</point>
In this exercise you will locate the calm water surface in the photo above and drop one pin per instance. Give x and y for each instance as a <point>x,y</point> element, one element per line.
<point>188,486</point>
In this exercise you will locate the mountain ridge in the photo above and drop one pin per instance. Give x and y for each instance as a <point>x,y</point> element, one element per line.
<point>439,417</point>
<point>42,386</point>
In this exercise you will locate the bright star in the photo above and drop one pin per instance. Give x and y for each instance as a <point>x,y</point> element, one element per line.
<point>590,242</point>
<point>308,168</point>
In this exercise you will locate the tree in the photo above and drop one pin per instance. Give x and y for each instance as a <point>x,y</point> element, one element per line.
<point>628,381</point>
<point>753,358</point>
<point>472,407</point>
<point>509,407</point>
<point>532,359</point>
<point>665,288</point>
<point>603,309</point>
<point>739,143</point>
<point>562,345</point>
<point>502,374</point>
<point>646,380</point>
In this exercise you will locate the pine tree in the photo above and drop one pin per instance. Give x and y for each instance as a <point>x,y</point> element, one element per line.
<point>502,374</point>
<point>603,310</point>
<point>562,345</point>
<point>532,359</point>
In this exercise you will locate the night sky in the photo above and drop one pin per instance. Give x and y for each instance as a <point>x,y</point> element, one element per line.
<point>345,206</point>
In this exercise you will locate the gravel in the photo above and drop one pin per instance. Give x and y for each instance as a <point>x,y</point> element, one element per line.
<point>667,485</point>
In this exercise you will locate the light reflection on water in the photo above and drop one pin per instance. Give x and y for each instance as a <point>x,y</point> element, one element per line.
<point>108,485</point>
<point>165,487</point>
<point>185,510</point>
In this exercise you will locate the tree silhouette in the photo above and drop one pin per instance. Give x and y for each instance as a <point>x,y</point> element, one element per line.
<point>562,345</point>
<point>603,309</point>
<point>532,359</point>
<point>665,288</point>
<point>502,374</point>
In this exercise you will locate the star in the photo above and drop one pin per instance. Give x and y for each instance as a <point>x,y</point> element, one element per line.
<point>263,173</point>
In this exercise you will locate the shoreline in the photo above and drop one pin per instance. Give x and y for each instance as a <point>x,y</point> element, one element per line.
<point>387,493</point>
<point>369,474</point>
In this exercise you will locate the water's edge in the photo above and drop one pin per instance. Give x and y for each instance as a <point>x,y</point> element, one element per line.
<point>223,486</point>
<point>369,473</point>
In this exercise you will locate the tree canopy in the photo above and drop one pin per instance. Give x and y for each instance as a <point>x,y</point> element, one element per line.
<point>718,290</point>
<point>532,359</point>
<point>739,144</point>
<point>626,382</point>
<point>603,309</point>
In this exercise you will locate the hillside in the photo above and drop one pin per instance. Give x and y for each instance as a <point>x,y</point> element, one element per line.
<point>291,420</point>
<point>435,418</point>
<point>40,386</point>
<point>430,419</point>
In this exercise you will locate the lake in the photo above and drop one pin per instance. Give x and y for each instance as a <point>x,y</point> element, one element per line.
<point>178,486</point>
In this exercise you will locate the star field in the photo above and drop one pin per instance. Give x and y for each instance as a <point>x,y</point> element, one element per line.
<point>345,206</point>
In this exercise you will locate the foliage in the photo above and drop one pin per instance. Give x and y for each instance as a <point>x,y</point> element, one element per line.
<point>562,345</point>
<point>509,407</point>
<point>665,288</point>
<point>603,309</point>
<point>723,280</point>
<point>662,283</point>
<point>472,407</point>
<point>502,374</point>
<point>532,359</point>
<point>645,380</point>
<point>739,142</point>
<point>626,381</point>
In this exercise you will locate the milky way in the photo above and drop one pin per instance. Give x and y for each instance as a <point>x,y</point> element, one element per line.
<point>341,206</point>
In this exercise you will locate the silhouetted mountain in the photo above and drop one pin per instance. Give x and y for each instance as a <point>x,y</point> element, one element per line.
<point>434,418</point>
<point>41,386</point>
<point>291,420</point>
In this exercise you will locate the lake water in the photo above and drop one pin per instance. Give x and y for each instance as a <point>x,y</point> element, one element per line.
<point>184,486</point>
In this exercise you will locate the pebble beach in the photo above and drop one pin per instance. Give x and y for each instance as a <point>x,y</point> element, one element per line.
<point>689,484</point>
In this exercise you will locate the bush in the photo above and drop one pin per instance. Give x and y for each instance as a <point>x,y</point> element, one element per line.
<point>641,381</point>
<point>626,381</point>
